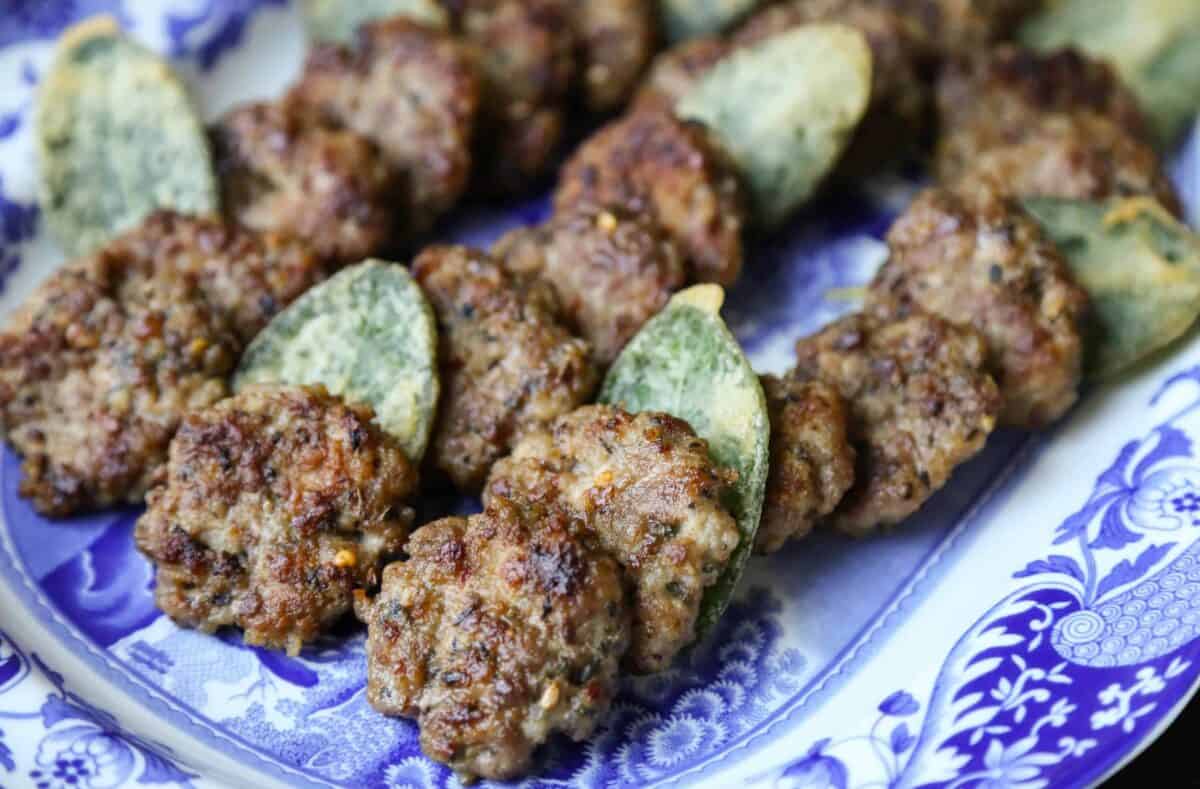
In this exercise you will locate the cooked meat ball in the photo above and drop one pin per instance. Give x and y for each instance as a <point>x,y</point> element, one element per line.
<point>105,357</point>
<point>651,162</point>
<point>1082,156</point>
<point>607,270</point>
<point>276,505</point>
<point>956,26</point>
<point>499,630</point>
<point>616,39</point>
<point>328,186</point>
<point>978,259</point>
<point>675,72</point>
<point>812,460</point>
<point>998,99</point>
<point>415,93</point>
<point>507,365</point>
<point>527,51</point>
<point>647,487</point>
<point>921,402</point>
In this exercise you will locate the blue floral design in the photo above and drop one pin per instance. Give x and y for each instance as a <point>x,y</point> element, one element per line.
<point>213,29</point>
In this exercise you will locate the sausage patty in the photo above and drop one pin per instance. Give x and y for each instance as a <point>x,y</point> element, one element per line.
<point>921,402</point>
<point>976,258</point>
<point>812,459</point>
<point>276,505</point>
<point>608,271</point>
<point>615,39</point>
<point>105,357</point>
<point>647,487</point>
<point>676,71</point>
<point>507,365</point>
<point>498,631</point>
<point>329,186</point>
<point>651,162</point>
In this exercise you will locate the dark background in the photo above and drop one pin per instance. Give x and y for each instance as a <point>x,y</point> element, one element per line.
<point>1171,761</point>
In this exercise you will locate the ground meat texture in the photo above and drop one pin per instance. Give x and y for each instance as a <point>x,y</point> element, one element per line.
<point>997,99</point>
<point>279,171</point>
<point>104,359</point>
<point>675,72</point>
<point>1082,156</point>
<point>616,39</point>
<point>415,93</point>
<point>276,505</point>
<point>651,162</point>
<point>958,26</point>
<point>499,630</point>
<point>812,459</point>
<point>527,51</point>
<point>608,271</point>
<point>921,402</point>
<point>507,365</point>
<point>978,259</point>
<point>647,487</point>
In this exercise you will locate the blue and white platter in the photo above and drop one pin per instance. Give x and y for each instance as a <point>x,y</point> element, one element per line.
<point>1037,624</point>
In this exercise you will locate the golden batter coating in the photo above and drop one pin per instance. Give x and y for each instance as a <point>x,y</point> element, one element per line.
<point>276,505</point>
<point>608,271</point>
<point>651,162</point>
<point>414,92</point>
<point>977,259</point>
<point>647,487</point>
<point>616,39</point>
<point>921,402</point>
<point>507,365</point>
<point>812,459</point>
<point>105,357</point>
<point>498,631</point>
<point>281,172</point>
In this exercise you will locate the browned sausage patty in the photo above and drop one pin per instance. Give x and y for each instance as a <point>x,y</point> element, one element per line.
<point>415,93</point>
<point>959,26</point>
<point>328,186</point>
<point>499,630</point>
<point>647,487</point>
<point>921,402</point>
<point>998,97</point>
<point>609,271</point>
<point>527,51</point>
<point>812,459</point>
<point>676,71</point>
<point>654,163</point>
<point>276,505</point>
<point>507,365</point>
<point>616,39</point>
<point>975,258</point>
<point>104,358</point>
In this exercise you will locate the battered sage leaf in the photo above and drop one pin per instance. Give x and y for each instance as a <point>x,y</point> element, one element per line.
<point>1140,267</point>
<point>1154,44</point>
<point>683,19</point>
<point>367,334</point>
<point>786,109</point>
<point>686,362</point>
<point>338,20</point>
<point>117,138</point>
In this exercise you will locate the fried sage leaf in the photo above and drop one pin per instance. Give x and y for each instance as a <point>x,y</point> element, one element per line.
<point>338,20</point>
<point>686,362</point>
<point>785,110</point>
<point>1154,44</point>
<point>683,19</point>
<point>1140,267</point>
<point>367,334</point>
<point>117,138</point>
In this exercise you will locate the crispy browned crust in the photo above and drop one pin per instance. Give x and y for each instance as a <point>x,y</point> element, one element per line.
<point>607,270</point>
<point>677,70</point>
<point>526,49</point>
<point>282,172</point>
<point>654,163</point>
<point>507,365</point>
<point>647,487</point>
<point>275,506</point>
<point>615,41</point>
<point>975,258</point>
<point>498,631</point>
<point>921,403</point>
<point>812,459</point>
<point>415,93</point>
<point>105,357</point>
<point>963,26</point>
